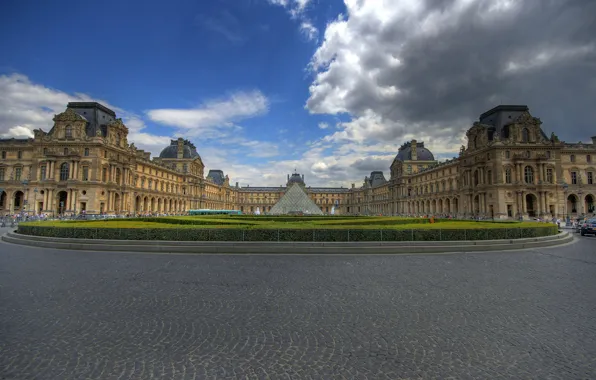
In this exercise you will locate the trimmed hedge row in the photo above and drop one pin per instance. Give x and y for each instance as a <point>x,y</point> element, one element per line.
<point>286,235</point>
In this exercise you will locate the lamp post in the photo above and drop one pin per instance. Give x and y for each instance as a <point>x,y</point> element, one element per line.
<point>25,205</point>
<point>565,188</point>
<point>35,200</point>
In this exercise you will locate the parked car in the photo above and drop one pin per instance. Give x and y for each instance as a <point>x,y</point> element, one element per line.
<point>588,227</point>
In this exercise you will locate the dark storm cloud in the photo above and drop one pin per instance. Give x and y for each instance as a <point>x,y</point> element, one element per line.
<point>539,53</point>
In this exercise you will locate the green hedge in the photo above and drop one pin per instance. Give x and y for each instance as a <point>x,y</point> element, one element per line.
<point>321,235</point>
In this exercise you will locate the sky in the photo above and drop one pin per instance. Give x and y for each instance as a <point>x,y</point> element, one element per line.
<point>329,88</point>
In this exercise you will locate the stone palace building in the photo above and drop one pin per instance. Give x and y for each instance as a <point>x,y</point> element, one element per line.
<point>509,169</point>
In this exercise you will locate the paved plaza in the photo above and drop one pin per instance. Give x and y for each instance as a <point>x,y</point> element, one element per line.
<point>78,315</point>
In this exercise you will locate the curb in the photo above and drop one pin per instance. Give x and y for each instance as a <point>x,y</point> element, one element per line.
<point>286,248</point>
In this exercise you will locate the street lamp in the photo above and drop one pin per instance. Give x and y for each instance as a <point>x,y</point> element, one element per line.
<point>35,199</point>
<point>25,197</point>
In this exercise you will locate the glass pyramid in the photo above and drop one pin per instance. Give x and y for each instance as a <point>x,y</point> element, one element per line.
<point>295,200</point>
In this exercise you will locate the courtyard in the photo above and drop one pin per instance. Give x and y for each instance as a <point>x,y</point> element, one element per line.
<point>515,314</point>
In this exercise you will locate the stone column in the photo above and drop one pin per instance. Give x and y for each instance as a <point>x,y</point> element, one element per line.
<point>540,203</point>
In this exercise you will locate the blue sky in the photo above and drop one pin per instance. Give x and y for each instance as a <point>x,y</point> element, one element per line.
<point>265,86</point>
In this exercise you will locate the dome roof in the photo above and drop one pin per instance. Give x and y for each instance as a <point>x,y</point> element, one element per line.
<point>295,178</point>
<point>171,151</point>
<point>422,153</point>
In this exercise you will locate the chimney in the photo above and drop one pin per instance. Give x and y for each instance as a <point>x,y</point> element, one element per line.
<point>353,186</point>
<point>180,148</point>
<point>594,140</point>
<point>302,177</point>
<point>236,184</point>
<point>414,153</point>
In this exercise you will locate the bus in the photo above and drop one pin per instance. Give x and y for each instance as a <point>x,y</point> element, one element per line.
<point>214,212</point>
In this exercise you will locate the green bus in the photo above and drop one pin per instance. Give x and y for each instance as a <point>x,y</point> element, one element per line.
<point>214,212</point>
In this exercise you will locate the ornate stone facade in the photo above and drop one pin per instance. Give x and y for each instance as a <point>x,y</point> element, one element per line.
<point>509,169</point>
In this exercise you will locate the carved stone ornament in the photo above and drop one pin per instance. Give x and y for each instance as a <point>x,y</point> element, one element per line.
<point>68,115</point>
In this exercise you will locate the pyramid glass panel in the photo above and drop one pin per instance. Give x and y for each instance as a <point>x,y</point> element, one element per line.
<point>295,200</point>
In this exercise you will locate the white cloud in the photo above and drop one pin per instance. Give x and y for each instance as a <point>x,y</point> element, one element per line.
<point>323,125</point>
<point>211,118</point>
<point>18,132</point>
<point>297,10</point>
<point>429,68</point>
<point>308,30</point>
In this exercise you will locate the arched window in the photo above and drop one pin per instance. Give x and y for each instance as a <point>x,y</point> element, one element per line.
<point>525,135</point>
<point>68,132</point>
<point>529,174</point>
<point>64,171</point>
<point>508,175</point>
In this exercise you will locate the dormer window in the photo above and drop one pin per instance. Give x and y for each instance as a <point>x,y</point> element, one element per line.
<point>525,135</point>
<point>68,132</point>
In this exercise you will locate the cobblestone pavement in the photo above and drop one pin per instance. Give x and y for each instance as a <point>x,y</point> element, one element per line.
<point>79,315</point>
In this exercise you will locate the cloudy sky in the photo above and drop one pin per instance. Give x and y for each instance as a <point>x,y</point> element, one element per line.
<point>329,88</point>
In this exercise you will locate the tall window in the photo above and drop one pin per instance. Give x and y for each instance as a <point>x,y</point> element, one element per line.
<point>548,154</point>
<point>590,178</point>
<point>507,154</point>
<point>64,171</point>
<point>489,174</point>
<point>85,173</point>
<point>45,151</point>
<point>68,132</point>
<point>476,179</point>
<point>118,176</point>
<point>3,155</point>
<point>409,167</point>
<point>2,173</point>
<point>19,154</point>
<point>118,140</point>
<point>17,173</point>
<point>549,175</point>
<point>185,168</point>
<point>529,174</point>
<point>86,152</point>
<point>508,175</point>
<point>65,151</point>
<point>572,158</point>
<point>588,158</point>
<point>525,135</point>
<point>574,178</point>
<point>43,172</point>
<point>104,174</point>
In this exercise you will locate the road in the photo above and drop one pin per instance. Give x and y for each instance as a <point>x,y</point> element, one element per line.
<point>75,315</point>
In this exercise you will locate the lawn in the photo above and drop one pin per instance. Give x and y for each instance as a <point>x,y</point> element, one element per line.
<point>219,222</point>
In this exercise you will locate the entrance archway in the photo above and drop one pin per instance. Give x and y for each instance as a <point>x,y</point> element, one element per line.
<point>3,204</point>
<point>589,203</point>
<point>572,204</point>
<point>138,204</point>
<point>62,199</point>
<point>18,200</point>
<point>531,203</point>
